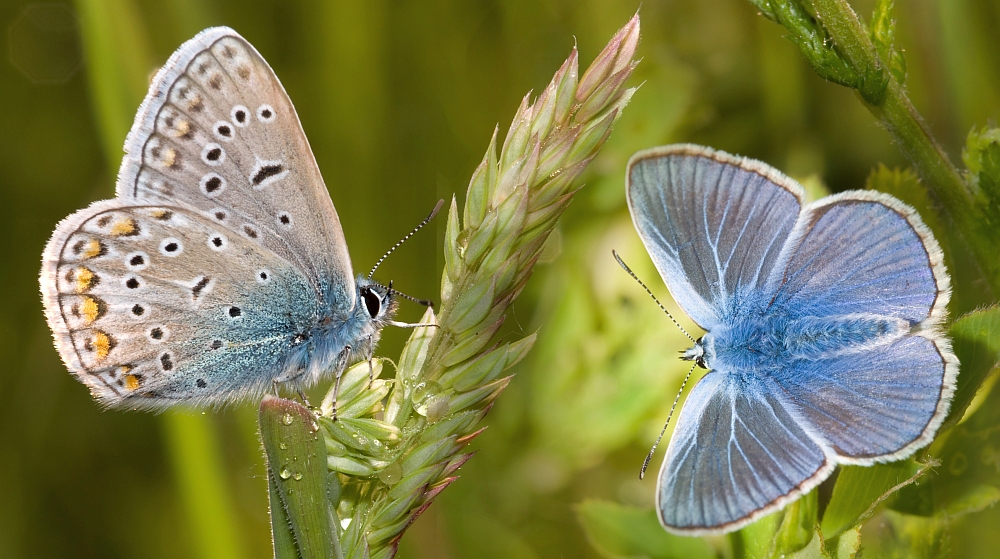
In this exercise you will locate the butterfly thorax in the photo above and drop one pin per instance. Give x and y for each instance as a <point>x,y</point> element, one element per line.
<point>773,342</point>
<point>335,341</point>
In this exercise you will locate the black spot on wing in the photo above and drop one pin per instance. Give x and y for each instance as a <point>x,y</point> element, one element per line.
<point>266,172</point>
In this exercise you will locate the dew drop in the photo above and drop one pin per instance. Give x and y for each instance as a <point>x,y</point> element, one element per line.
<point>297,476</point>
<point>437,407</point>
<point>285,473</point>
<point>422,396</point>
<point>283,446</point>
<point>391,474</point>
<point>287,419</point>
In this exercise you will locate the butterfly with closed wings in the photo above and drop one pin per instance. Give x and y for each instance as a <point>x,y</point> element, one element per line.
<point>220,268</point>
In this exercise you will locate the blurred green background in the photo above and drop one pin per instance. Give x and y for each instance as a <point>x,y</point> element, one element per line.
<point>398,100</point>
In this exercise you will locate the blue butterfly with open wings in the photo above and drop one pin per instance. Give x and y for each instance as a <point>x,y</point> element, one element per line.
<point>823,331</point>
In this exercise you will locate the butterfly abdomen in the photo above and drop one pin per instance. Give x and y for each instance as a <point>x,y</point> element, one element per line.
<point>813,338</point>
<point>771,343</point>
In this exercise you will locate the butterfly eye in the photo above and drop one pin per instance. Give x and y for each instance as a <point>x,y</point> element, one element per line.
<point>372,302</point>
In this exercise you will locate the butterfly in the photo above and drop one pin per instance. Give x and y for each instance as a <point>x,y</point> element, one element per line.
<point>823,339</point>
<point>220,268</point>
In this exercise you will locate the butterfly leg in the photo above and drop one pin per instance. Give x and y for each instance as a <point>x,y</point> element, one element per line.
<point>302,396</point>
<point>341,366</point>
<point>371,370</point>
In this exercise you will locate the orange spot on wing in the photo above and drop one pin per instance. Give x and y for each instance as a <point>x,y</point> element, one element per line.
<point>124,227</point>
<point>90,309</point>
<point>92,248</point>
<point>131,381</point>
<point>102,344</point>
<point>85,280</point>
<point>170,157</point>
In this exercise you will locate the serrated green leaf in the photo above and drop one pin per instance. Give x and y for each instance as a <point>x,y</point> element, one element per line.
<point>982,158</point>
<point>860,489</point>
<point>812,39</point>
<point>883,34</point>
<point>622,531</point>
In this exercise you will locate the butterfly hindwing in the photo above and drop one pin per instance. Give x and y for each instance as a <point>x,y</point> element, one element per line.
<point>152,305</point>
<point>875,406</point>
<point>218,133</point>
<point>714,225</point>
<point>737,453</point>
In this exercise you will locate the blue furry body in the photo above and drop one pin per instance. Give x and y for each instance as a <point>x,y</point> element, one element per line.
<point>774,342</point>
<point>316,349</point>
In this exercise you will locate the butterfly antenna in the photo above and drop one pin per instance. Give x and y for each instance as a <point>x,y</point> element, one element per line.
<point>408,235</point>
<point>662,308</point>
<point>423,302</point>
<point>645,463</point>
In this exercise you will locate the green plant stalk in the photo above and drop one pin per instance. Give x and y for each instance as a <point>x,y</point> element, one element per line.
<point>297,481</point>
<point>396,444</point>
<point>892,107</point>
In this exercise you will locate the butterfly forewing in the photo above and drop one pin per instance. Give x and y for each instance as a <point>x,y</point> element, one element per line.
<point>149,303</point>
<point>863,252</point>
<point>714,229</point>
<point>217,133</point>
